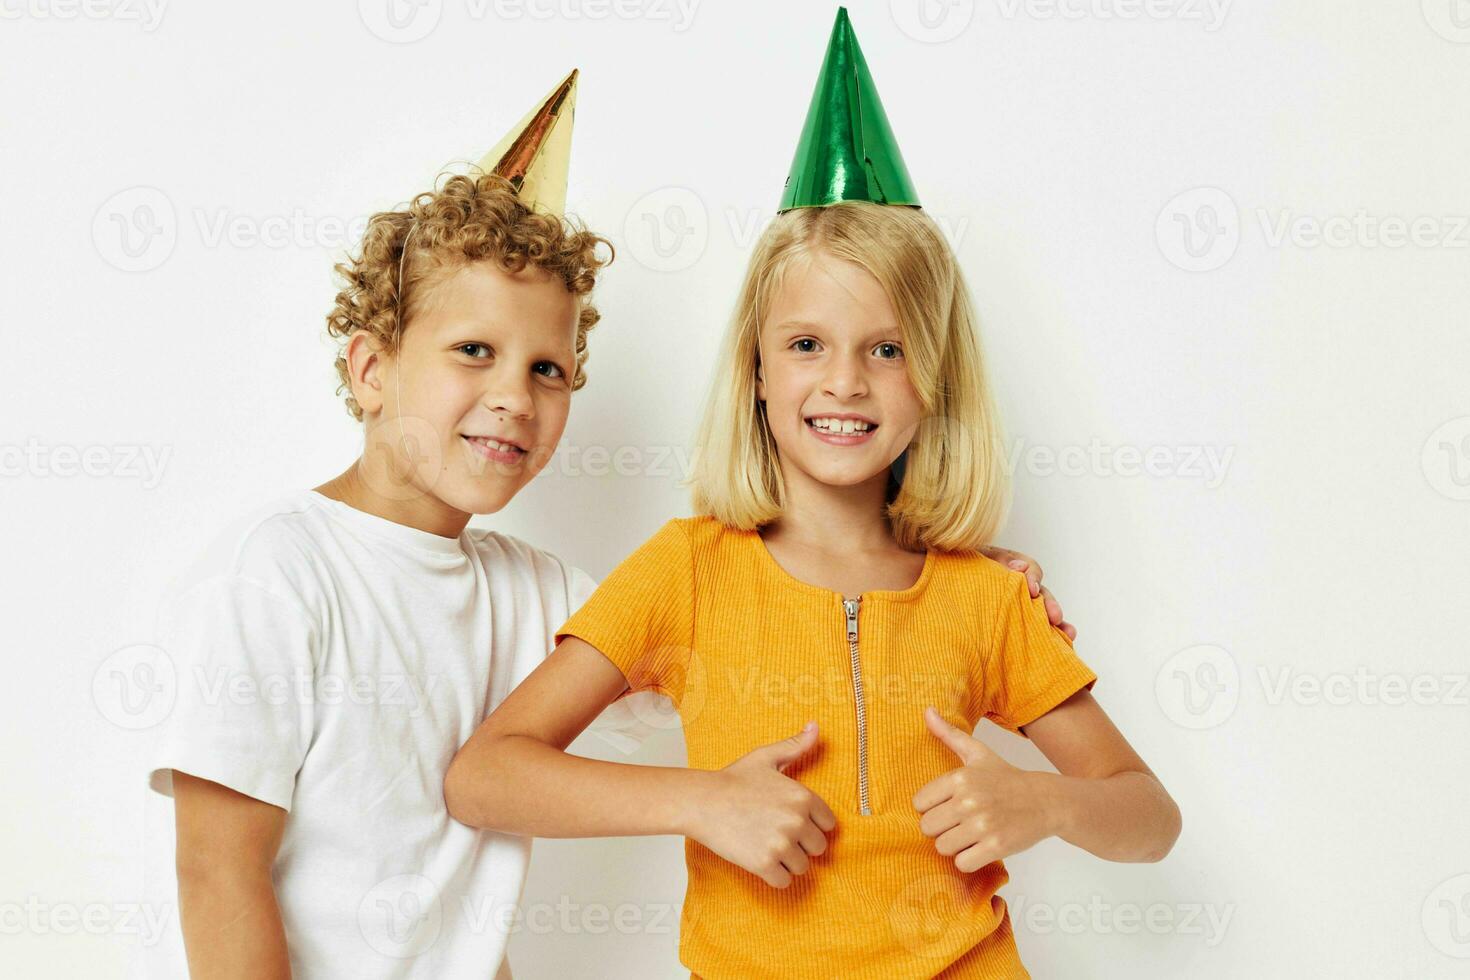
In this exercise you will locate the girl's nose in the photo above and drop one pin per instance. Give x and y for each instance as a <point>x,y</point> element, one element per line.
<point>844,378</point>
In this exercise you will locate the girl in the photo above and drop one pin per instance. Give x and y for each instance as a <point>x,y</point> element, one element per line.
<point>816,587</point>
<point>831,634</point>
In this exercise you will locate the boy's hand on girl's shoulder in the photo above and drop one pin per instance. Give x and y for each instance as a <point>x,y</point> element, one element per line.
<point>1028,566</point>
<point>985,810</point>
<point>753,815</point>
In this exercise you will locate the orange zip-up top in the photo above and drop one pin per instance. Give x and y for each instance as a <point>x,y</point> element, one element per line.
<point>749,654</point>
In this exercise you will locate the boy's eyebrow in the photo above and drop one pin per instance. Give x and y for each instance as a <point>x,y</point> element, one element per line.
<point>479,331</point>
<point>452,327</point>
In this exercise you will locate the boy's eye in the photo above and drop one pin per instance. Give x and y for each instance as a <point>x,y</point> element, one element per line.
<point>550,370</point>
<point>805,345</point>
<point>474,350</point>
<point>888,351</point>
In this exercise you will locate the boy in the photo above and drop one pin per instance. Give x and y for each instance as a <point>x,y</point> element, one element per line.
<point>336,648</point>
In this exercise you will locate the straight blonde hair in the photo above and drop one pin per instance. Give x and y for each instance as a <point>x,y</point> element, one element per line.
<point>954,491</point>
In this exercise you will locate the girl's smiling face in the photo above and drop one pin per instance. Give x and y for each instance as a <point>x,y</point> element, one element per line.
<point>832,374</point>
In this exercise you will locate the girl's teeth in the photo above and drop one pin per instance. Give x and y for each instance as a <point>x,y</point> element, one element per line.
<point>842,426</point>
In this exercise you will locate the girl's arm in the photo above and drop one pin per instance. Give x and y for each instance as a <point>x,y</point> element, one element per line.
<point>515,776</point>
<point>1102,797</point>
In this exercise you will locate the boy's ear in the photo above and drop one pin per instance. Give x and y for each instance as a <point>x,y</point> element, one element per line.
<point>364,356</point>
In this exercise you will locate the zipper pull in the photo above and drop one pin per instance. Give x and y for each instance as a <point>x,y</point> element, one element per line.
<point>851,605</point>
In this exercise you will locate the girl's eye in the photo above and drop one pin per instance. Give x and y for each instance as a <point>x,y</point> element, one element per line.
<point>472,349</point>
<point>554,369</point>
<point>810,348</point>
<point>888,351</point>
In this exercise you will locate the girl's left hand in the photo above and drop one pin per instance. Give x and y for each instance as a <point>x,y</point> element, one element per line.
<point>1029,567</point>
<point>985,810</point>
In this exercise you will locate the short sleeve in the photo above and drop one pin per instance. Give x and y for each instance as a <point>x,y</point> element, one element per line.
<point>243,656</point>
<point>580,587</point>
<point>624,724</point>
<point>1030,666</point>
<point>642,615</point>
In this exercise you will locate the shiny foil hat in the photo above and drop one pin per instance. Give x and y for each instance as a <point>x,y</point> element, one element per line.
<point>536,154</point>
<point>847,152</point>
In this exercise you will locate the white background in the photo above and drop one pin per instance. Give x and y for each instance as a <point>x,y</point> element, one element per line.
<point>1133,191</point>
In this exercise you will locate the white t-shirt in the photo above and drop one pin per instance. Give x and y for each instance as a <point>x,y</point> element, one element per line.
<point>331,662</point>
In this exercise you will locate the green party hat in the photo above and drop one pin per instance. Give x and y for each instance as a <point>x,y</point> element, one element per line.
<point>847,151</point>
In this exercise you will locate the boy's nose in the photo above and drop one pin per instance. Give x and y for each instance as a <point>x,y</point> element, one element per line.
<point>512,401</point>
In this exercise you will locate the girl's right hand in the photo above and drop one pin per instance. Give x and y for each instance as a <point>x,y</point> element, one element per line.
<point>755,816</point>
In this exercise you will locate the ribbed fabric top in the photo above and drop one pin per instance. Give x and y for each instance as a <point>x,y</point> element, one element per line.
<point>749,653</point>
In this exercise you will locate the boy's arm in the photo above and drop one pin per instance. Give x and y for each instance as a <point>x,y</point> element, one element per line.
<point>1031,568</point>
<point>227,842</point>
<point>515,776</point>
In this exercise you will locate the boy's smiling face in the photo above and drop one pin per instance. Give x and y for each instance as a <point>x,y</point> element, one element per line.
<point>474,402</point>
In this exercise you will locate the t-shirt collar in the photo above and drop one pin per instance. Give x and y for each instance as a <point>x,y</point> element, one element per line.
<point>414,538</point>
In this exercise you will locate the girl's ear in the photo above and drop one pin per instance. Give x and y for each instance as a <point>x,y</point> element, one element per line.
<point>364,355</point>
<point>760,381</point>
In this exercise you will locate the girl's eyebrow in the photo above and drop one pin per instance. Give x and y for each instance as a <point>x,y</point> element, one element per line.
<point>883,330</point>
<point>798,325</point>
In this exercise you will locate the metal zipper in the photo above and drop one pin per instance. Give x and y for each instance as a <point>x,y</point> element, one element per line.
<point>851,607</point>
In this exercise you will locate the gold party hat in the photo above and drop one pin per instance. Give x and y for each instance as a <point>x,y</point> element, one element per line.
<point>536,154</point>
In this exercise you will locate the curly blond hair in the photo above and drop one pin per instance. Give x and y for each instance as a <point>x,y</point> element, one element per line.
<point>468,219</point>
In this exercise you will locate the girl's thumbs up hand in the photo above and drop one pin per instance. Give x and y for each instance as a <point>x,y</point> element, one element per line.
<point>984,810</point>
<point>753,815</point>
